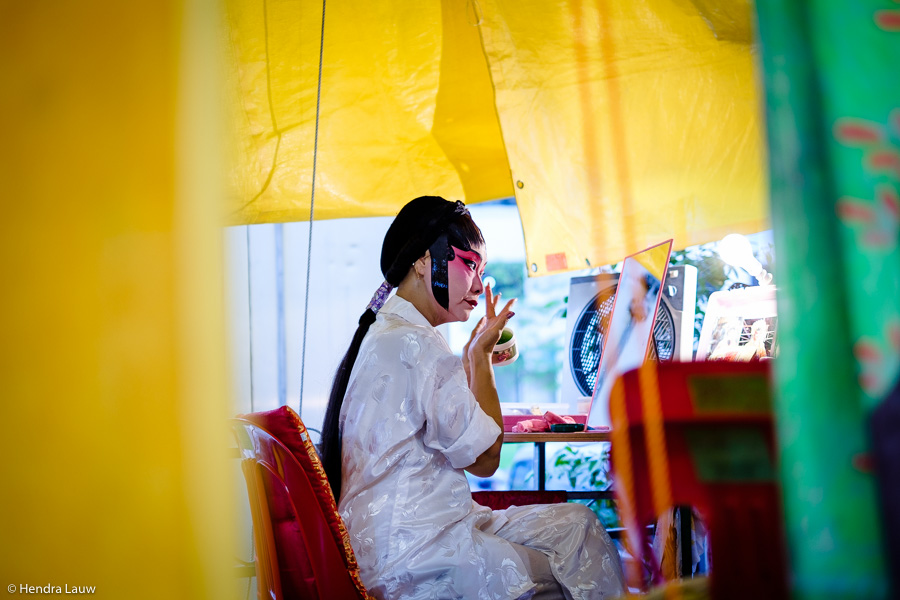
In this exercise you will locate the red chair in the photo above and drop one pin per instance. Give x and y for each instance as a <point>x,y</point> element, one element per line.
<point>302,547</point>
<point>701,434</point>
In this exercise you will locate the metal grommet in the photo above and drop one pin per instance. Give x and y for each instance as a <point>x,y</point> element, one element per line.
<point>534,267</point>
<point>519,184</point>
<point>587,261</point>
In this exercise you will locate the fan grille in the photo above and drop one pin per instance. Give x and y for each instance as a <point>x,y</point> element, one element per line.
<point>590,331</point>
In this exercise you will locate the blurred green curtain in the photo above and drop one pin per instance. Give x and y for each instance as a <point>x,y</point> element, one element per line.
<point>833,117</point>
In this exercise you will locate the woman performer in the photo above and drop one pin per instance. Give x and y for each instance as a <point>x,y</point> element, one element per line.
<point>406,417</point>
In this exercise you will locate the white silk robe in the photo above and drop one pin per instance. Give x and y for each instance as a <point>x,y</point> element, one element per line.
<point>410,425</point>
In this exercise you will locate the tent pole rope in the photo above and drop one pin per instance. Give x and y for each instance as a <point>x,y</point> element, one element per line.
<point>250,344</point>
<point>250,315</point>
<point>312,206</point>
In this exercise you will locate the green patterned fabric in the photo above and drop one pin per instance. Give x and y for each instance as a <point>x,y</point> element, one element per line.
<point>831,72</point>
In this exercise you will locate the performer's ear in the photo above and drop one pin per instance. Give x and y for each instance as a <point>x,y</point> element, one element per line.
<point>421,265</point>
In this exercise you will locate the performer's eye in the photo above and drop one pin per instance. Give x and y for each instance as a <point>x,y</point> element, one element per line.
<point>469,263</point>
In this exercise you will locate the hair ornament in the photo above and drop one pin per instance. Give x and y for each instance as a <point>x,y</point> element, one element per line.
<point>460,208</point>
<point>381,295</point>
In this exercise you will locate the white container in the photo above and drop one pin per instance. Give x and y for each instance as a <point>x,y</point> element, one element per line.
<point>505,353</point>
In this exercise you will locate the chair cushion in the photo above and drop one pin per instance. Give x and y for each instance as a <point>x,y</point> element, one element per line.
<point>285,425</point>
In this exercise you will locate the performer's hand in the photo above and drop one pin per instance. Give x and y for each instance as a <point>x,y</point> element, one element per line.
<point>488,329</point>
<point>638,309</point>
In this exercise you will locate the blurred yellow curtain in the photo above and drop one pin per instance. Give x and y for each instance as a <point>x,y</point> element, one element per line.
<point>115,467</point>
<point>615,123</point>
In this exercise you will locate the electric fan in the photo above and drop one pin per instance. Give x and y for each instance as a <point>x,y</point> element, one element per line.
<point>590,304</point>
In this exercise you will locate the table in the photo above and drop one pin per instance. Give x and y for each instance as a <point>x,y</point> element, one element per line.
<point>540,453</point>
<point>540,456</point>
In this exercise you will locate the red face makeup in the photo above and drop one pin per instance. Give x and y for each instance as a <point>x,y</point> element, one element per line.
<point>464,275</point>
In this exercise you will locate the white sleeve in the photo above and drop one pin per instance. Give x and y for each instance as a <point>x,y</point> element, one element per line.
<point>455,424</point>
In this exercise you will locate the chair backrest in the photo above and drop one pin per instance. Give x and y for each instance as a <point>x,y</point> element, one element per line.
<point>302,546</point>
<point>701,434</point>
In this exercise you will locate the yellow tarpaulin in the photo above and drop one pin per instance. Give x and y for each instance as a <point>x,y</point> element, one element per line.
<point>615,124</point>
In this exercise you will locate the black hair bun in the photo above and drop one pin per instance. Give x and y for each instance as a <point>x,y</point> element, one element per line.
<point>415,228</point>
